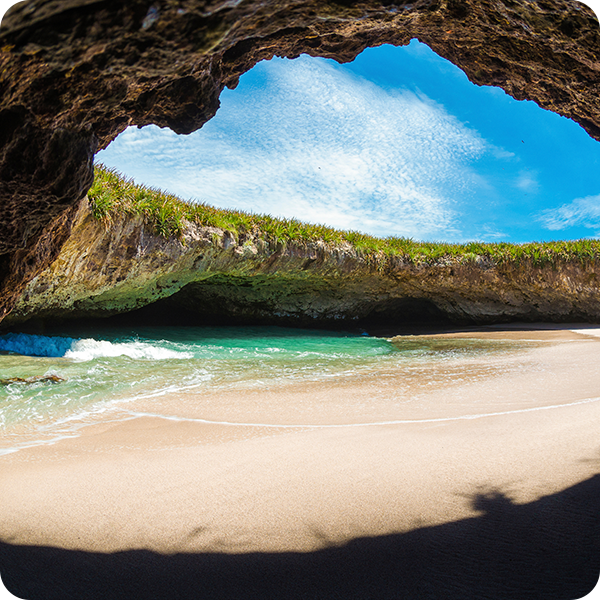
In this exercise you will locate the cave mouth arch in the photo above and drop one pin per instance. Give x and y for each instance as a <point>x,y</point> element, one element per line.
<point>397,142</point>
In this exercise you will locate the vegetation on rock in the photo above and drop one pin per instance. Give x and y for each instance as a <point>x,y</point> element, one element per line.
<point>113,194</point>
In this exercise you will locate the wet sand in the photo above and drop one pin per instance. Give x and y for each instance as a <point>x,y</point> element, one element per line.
<point>484,487</point>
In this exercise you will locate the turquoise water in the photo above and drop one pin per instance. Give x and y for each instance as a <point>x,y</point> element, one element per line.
<point>104,369</point>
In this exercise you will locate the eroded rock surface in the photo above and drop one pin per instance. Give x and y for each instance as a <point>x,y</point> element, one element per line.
<point>209,274</point>
<point>75,73</point>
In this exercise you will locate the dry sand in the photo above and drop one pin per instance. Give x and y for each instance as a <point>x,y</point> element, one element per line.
<point>486,487</point>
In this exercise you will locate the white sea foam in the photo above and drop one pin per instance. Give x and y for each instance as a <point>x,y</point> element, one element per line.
<point>89,349</point>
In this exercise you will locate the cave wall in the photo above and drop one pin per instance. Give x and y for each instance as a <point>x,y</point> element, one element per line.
<point>75,73</point>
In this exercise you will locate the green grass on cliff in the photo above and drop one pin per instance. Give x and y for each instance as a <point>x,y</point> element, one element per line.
<point>113,194</point>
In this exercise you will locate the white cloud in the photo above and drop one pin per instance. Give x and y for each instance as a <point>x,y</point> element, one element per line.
<point>527,182</point>
<point>583,212</point>
<point>501,153</point>
<point>312,142</point>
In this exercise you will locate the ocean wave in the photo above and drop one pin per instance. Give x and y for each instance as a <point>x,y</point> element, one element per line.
<point>89,349</point>
<point>35,345</point>
<point>83,350</point>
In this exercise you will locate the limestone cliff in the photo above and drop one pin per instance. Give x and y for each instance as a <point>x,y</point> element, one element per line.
<point>75,73</point>
<point>209,273</point>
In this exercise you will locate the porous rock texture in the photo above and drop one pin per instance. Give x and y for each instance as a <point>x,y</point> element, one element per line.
<point>75,73</point>
<point>208,274</point>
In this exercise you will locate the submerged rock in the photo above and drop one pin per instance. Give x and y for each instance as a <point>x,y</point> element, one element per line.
<point>209,275</point>
<point>36,379</point>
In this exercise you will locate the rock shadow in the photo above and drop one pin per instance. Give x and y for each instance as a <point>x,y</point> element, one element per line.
<point>547,550</point>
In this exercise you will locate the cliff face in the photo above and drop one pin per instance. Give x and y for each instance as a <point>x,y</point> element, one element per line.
<point>75,73</point>
<point>207,273</point>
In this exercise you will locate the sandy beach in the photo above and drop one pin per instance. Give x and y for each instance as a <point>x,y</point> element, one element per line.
<point>484,486</point>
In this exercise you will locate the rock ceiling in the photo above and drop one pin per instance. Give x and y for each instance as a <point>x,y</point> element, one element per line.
<point>75,73</point>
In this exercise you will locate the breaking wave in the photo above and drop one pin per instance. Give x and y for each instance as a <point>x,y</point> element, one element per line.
<point>89,349</point>
<point>35,345</point>
<point>84,349</point>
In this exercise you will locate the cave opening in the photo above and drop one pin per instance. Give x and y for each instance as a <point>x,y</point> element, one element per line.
<point>397,142</point>
<point>207,309</point>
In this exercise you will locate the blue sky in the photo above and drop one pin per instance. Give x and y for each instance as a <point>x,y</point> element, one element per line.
<point>398,142</point>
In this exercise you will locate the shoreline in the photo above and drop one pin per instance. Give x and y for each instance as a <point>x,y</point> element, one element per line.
<point>440,380</point>
<point>331,401</point>
<point>502,331</point>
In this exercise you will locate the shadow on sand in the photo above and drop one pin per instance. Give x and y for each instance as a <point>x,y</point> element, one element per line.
<point>548,549</point>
